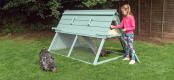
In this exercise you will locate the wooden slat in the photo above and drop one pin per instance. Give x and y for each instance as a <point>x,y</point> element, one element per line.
<point>169,18</point>
<point>83,29</point>
<point>90,12</point>
<point>87,18</point>
<point>85,23</point>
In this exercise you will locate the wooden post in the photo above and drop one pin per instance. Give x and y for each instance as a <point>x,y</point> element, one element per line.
<point>98,52</point>
<point>139,15</point>
<point>163,20</point>
<point>72,46</point>
<point>150,29</point>
<point>53,41</point>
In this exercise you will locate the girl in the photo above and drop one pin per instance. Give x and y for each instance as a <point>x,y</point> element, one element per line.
<point>129,25</point>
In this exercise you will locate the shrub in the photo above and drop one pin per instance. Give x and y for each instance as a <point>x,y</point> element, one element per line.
<point>18,30</point>
<point>6,31</point>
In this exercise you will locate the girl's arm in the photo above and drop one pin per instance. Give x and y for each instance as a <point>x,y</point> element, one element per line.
<point>119,26</point>
<point>132,24</point>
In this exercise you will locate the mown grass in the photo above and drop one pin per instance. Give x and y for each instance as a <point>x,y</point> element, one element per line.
<point>19,57</point>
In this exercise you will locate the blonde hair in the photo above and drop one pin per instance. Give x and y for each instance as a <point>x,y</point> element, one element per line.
<point>126,7</point>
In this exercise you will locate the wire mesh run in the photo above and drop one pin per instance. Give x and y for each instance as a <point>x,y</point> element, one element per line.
<point>85,48</point>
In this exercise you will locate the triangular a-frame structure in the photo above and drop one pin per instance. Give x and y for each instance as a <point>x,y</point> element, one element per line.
<point>87,23</point>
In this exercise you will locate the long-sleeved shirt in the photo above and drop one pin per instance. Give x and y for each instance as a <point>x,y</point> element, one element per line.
<point>128,23</point>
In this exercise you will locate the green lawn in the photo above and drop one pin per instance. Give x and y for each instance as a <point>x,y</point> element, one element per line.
<point>18,61</point>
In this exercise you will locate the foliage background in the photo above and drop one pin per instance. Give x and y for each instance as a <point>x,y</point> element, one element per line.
<point>17,15</point>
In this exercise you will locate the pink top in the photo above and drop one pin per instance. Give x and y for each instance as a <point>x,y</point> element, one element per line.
<point>128,23</point>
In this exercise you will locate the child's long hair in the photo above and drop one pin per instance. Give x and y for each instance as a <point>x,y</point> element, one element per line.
<point>127,8</point>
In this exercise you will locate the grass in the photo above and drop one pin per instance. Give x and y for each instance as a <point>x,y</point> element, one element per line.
<point>19,57</point>
<point>84,53</point>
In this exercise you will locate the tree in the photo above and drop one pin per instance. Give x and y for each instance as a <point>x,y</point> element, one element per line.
<point>44,11</point>
<point>42,8</point>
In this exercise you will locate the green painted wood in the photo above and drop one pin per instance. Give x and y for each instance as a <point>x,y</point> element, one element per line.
<point>82,27</point>
<point>90,12</point>
<point>137,59</point>
<point>98,52</point>
<point>111,59</point>
<point>86,18</point>
<point>86,22</point>
<point>53,42</point>
<point>62,41</point>
<point>72,46</point>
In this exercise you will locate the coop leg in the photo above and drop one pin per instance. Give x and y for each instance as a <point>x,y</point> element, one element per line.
<point>136,57</point>
<point>98,52</point>
<point>91,44</point>
<point>53,41</point>
<point>72,46</point>
<point>122,42</point>
<point>121,38</point>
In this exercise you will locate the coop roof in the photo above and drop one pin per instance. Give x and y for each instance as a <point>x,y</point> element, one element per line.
<point>87,22</point>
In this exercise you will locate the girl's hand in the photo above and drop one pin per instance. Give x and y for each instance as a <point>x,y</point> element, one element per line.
<point>123,29</point>
<point>112,26</point>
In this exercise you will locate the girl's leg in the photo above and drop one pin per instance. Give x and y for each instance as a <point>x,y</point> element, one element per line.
<point>131,48</point>
<point>132,51</point>
<point>126,47</point>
